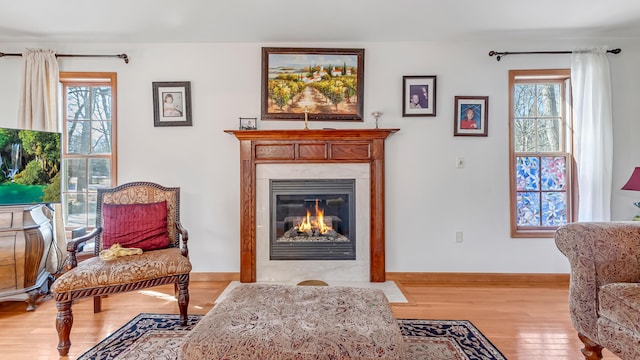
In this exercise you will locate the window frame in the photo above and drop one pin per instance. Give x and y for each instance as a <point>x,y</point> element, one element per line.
<point>88,79</point>
<point>562,76</point>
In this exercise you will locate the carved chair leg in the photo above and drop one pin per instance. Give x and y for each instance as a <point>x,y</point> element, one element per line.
<point>64,321</point>
<point>591,350</point>
<point>183,300</point>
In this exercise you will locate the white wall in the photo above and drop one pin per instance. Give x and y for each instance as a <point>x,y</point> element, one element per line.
<point>428,199</point>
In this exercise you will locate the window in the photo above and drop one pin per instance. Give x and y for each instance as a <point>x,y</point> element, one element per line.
<point>89,147</point>
<point>540,155</point>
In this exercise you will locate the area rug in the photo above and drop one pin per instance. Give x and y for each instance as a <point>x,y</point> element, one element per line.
<point>159,336</point>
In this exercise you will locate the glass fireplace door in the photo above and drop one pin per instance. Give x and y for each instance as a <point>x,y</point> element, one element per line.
<point>312,219</point>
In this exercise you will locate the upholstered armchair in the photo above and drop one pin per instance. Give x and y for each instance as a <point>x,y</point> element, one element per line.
<point>135,215</point>
<point>604,293</point>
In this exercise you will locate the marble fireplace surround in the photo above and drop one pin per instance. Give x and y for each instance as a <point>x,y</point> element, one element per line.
<point>313,147</point>
<point>297,270</point>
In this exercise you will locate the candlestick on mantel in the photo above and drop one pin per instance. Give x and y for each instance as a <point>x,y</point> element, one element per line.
<point>306,118</point>
<point>376,115</point>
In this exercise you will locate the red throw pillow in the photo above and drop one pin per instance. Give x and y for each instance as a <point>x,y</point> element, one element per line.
<point>141,226</point>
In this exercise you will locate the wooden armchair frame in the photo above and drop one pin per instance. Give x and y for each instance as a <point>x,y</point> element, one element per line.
<point>130,193</point>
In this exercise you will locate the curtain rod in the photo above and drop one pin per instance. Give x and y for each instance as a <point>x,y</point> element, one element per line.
<point>124,57</point>
<point>499,55</point>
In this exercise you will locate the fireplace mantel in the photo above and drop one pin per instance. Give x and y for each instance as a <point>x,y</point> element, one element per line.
<point>310,146</point>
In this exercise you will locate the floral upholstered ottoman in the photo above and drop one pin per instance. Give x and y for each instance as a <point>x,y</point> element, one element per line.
<point>257,321</point>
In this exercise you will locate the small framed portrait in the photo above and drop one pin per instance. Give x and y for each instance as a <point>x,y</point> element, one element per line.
<point>418,95</point>
<point>172,103</point>
<point>471,116</point>
<point>248,123</point>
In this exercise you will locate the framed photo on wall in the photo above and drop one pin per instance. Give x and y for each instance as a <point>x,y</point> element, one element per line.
<point>418,95</point>
<point>327,83</point>
<point>172,103</point>
<point>471,116</point>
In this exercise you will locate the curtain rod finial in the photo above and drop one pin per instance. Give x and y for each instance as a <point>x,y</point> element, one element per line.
<point>498,55</point>
<point>124,57</point>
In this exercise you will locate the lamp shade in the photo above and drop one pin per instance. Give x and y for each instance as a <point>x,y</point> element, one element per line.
<point>634,181</point>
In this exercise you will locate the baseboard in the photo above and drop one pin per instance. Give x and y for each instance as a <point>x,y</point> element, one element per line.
<point>434,278</point>
<point>512,279</point>
<point>214,276</point>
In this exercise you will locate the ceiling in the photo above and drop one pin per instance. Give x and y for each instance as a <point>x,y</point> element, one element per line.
<point>317,21</point>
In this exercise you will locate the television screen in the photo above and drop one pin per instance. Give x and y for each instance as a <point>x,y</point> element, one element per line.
<point>30,167</point>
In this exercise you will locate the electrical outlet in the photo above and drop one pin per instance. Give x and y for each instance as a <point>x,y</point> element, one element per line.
<point>458,236</point>
<point>460,162</point>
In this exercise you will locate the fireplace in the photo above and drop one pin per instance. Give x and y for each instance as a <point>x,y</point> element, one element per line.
<point>312,219</point>
<point>267,154</point>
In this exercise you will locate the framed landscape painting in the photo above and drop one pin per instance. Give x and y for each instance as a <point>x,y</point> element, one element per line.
<point>328,84</point>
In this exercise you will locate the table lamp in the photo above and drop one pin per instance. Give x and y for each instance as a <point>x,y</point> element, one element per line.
<point>634,184</point>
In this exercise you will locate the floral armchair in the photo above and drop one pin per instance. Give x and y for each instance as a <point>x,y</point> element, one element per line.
<point>140,215</point>
<point>604,293</point>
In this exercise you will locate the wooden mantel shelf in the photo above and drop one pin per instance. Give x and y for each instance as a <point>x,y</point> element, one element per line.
<point>320,134</point>
<point>311,146</point>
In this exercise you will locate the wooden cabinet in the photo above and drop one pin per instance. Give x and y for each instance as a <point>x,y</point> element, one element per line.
<point>26,235</point>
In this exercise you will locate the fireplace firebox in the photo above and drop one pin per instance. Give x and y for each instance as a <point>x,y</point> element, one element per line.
<point>312,219</point>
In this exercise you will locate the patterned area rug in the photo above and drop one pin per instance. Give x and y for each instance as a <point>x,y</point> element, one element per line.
<point>158,337</point>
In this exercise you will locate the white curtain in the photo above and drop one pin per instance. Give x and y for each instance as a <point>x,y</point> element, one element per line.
<point>592,115</point>
<point>38,110</point>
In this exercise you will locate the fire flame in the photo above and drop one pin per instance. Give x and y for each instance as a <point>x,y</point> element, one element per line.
<point>318,223</point>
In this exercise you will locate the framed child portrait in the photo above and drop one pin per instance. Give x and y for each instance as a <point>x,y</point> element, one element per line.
<point>418,95</point>
<point>172,103</point>
<point>471,116</point>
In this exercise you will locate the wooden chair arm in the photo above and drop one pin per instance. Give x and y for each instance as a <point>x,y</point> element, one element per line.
<point>74,244</point>
<point>184,235</point>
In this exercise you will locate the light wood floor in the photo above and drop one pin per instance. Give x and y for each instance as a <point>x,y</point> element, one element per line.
<point>529,322</point>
